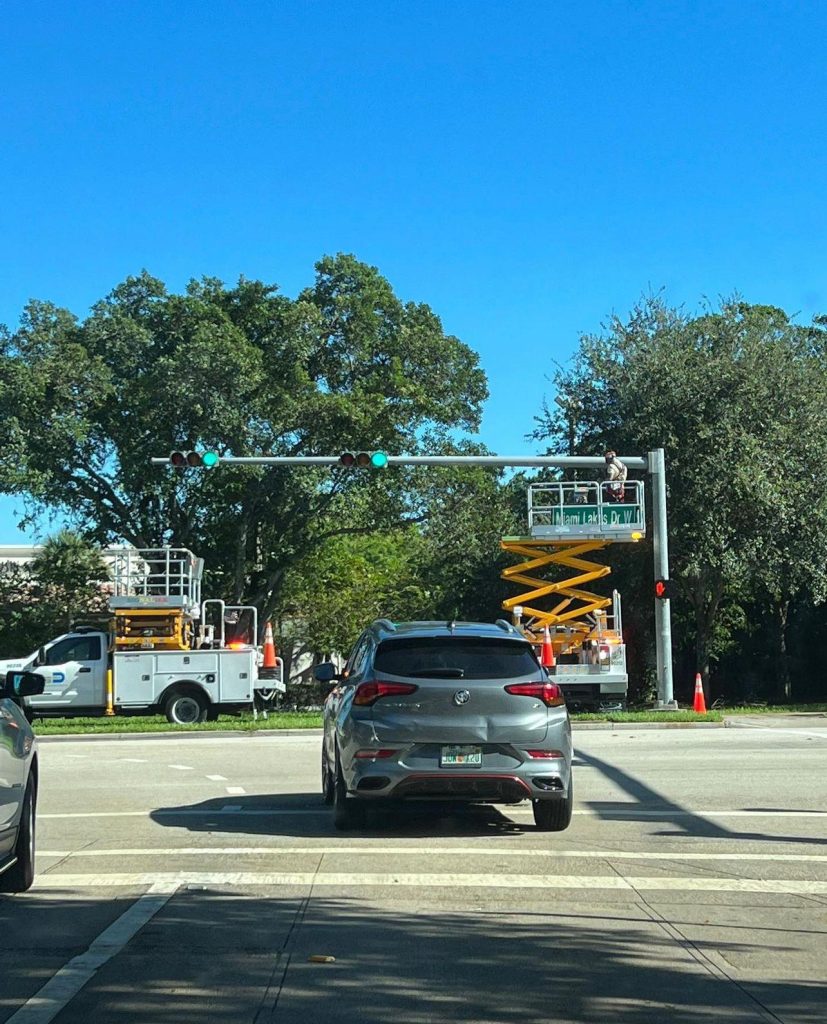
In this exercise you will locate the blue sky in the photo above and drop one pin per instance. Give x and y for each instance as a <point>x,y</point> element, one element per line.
<point>525,168</point>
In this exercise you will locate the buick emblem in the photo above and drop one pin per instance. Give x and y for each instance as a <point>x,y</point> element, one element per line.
<point>461,697</point>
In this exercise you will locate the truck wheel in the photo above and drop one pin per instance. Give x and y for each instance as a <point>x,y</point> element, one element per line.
<point>554,815</point>
<point>186,708</point>
<point>20,876</point>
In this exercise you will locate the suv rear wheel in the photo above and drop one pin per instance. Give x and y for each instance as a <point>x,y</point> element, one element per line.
<point>554,815</point>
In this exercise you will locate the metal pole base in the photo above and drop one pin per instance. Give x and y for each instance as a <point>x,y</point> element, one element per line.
<point>665,705</point>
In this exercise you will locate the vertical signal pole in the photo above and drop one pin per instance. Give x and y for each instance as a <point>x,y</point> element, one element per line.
<point>663,613</point>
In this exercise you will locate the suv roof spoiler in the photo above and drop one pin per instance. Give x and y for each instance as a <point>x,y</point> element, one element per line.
<point>507,627</point>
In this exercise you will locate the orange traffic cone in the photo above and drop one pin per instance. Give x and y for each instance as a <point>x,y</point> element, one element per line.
<point>547,657</point>
<point>700,700</point>
<point>269,648</point>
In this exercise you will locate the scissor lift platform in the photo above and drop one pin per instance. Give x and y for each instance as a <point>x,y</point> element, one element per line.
<point>156,596</point>
<point>587,510</point>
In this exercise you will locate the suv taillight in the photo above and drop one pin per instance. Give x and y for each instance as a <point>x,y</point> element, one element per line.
<point>369,693</point>
<point>549,693</point>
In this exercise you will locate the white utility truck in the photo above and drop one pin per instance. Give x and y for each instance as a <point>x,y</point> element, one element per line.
<point>163,651</point>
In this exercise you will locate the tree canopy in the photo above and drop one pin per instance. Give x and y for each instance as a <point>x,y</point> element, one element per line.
<point>85,404</point>
<point>737,398</point>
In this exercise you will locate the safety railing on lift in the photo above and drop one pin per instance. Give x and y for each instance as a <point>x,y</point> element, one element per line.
<point>157,577</point>
<point>587,508</point>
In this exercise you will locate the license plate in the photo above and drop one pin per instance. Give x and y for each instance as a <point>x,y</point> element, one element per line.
<point>461,757</point>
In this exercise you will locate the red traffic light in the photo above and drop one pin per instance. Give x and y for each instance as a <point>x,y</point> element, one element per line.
<point>347,459</point>
<point>664,589</point>
<point>178,459</point>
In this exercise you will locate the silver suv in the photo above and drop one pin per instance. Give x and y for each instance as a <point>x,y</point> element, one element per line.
<point>458,711</point>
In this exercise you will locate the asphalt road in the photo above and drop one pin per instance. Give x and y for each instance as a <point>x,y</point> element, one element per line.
<point>193,881</point>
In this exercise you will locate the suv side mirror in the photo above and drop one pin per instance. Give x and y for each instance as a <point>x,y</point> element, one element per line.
<point>326,672</point>
<point>23,684</point>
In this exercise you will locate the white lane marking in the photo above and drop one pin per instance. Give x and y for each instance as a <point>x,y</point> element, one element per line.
<point>432,851</point>
<point>217,778</point>
<point>236,790</point>
<point>133,760</point>
<point>609,813</point>
<point>181,767</point>
<point>63,986</point>
<point>463,881</point>
<point>821,735</point>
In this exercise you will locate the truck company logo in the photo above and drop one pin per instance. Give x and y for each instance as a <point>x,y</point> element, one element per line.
<point>461,697</point>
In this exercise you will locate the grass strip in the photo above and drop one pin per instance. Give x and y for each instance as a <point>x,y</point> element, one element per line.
<point>153,723</point>
<point>299,720</point>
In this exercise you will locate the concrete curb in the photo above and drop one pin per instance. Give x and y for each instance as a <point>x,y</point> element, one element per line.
<point>247,734</point>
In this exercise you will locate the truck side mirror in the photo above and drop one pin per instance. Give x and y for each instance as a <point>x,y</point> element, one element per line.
<point>23,684</point>
<point>326,672</point>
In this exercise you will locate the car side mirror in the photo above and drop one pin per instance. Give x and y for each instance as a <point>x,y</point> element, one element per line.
<point>326,672</point>
<point>23,684</point>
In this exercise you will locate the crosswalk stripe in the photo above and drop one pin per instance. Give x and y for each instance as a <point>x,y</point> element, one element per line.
<point>432,851</point>
<point>437,879</point>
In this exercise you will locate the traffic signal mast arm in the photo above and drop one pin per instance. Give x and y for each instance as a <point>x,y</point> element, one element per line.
<point>654,464</point>
<point>494,461</point>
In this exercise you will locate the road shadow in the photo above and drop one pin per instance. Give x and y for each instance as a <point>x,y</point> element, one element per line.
<point>211,956</point>
<point>651,806</point>
<point>303,815</point>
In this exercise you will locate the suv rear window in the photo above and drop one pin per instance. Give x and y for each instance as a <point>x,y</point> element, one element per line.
<point>456,658</point>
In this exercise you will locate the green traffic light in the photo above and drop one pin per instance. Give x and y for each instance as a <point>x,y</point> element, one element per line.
<point>379,460</point>
<point>209,459</point>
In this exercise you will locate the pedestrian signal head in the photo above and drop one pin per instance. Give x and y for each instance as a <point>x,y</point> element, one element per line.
<point>664,589</point>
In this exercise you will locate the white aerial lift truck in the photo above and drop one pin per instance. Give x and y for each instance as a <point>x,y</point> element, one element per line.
<point>163,651</point>
<point>568,520</point>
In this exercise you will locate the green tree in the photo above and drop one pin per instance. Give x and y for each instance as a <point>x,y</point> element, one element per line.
<point>244,371</point>
<point>736,397</point>
<point>44,598</point>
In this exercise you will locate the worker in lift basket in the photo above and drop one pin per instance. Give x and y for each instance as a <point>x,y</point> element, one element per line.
<point>616,475</point>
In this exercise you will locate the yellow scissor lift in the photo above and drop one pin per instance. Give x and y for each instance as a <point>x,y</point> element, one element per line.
<point>568,522</point>
<point>156,599</point>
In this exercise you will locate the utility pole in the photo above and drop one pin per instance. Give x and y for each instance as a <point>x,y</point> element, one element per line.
<point>663,614</point>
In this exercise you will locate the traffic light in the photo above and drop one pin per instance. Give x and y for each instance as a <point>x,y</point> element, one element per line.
<point>665,590</point>
<point>376,460</point>
<point>196,460</point>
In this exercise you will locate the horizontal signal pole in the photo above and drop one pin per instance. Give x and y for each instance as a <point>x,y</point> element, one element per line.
<point>573,461</point>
